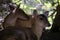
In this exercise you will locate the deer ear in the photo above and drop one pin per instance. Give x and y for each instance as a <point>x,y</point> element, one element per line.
<point>11,6</point>
<point>35,13</point>
<point>46,13</point>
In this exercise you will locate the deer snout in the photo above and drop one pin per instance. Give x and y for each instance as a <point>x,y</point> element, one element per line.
<point>49,24</point>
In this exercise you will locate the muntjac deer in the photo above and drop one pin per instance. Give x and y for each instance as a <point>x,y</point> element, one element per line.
<point>39,22</point>
<point>14,14</point>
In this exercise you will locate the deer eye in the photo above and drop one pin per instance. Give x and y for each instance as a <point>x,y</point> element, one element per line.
<point>41,18</point>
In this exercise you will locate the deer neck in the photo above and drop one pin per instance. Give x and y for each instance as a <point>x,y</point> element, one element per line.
<point>37,29</point>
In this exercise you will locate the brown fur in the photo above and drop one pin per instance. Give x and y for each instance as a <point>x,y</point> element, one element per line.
<point>39,22</point>
<point>26,23</point>
<point>10,19</point>
<point>17,34</point>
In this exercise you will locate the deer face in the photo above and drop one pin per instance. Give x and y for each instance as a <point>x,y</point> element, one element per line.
<point>40,20</point>
<point>43,21</point>
<point>39,23</point>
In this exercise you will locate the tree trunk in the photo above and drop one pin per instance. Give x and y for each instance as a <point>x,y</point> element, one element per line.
<point>56,22</point>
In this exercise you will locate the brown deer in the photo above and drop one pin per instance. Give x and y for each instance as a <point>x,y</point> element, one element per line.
<point>39,22</point>
<point>15,13</point>
<point>20,19</point>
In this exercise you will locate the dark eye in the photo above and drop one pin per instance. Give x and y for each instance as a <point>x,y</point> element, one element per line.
<point>41,18</point>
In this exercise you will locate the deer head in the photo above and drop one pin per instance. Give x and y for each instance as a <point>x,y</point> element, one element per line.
<point>40,22</point>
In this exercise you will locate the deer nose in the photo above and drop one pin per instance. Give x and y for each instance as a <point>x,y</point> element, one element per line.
<point>49,24</point>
